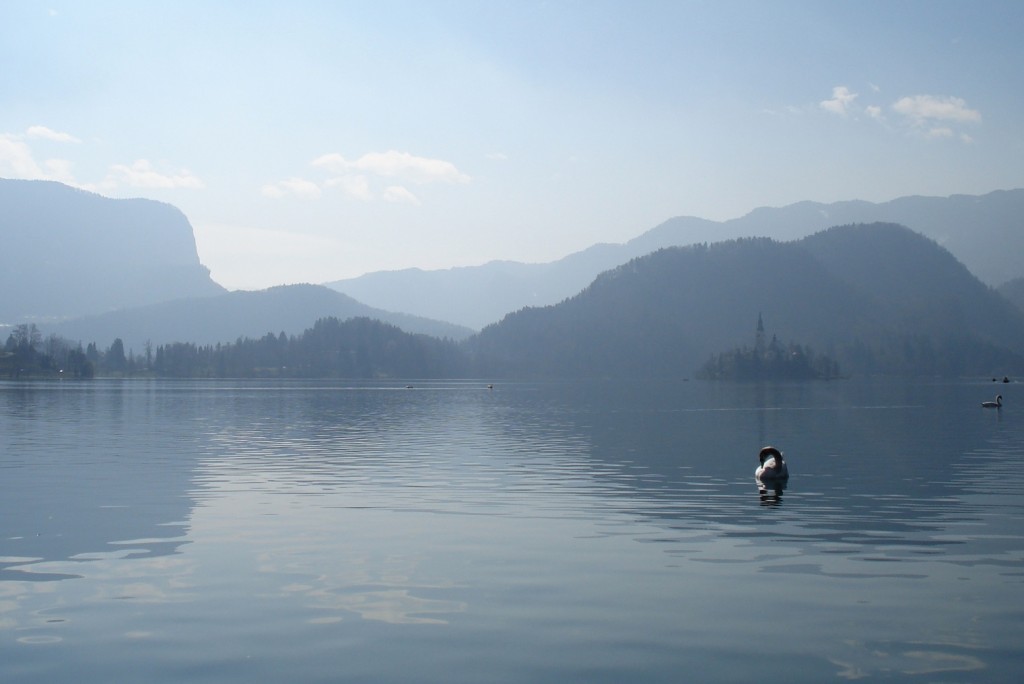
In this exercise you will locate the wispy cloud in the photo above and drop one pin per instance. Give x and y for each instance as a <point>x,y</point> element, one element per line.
<point>927,116</point>
<point>842,98</point>
<point>355,186</point>
<point>16,159</point>
<point>937,117</point>
<point>923,110</point>
<point>296,187</point>
<point>394,164</point>
<point>399,195</point>
<point>50,134</point>
<point>362,178</point>
<point>141,174</point>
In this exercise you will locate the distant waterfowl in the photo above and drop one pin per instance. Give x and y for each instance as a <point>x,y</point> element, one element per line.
<point>998,403</point>
<point>773,466</point>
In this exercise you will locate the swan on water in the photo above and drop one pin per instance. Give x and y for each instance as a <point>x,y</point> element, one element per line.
<point>773,465</point>
<point>998,403</point>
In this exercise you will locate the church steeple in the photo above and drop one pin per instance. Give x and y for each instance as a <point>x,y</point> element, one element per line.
<point>759,340</point>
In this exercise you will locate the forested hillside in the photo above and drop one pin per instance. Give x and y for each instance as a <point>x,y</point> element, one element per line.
<point>227,317</point>
<point>850,300</point>
<point>1014,292</point>
<point>357,348</point>
<point>984,232</point>
<point>877,299</point>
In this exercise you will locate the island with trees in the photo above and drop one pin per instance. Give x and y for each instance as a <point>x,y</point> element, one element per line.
<point>769,361</point>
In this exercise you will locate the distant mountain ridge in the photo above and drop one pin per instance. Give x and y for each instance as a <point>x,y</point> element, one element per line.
<point>67,252</point>
<point>985,232</point>
<point>878,298</point>
<point>225,318</point>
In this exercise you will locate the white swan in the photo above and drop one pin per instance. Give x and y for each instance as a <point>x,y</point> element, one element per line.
<point>773,465</point>
<point>998,403</point>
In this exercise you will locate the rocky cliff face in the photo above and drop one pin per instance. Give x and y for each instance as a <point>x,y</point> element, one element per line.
<point>65,252</point>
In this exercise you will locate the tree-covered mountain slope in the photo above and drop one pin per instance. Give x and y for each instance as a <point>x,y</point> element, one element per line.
<point>877,298</point>
<point>225,318</point>
<point>985,232</point>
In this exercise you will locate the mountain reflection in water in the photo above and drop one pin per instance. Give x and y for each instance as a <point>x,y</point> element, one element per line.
<point>530,532</point>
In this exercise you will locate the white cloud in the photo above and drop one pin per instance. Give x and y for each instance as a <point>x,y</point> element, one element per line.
<point>399,195</point>
<point>921,110</point>
<point>937,117</point>
<point>354,186</point>
<point>299,187</point>
<point>50,134</point>
<point>60,170</point>
<point>141,174</point>
<point>497,156</point>
<point>841,100</point>
<point>394,164</point>
<point>272,191</point>
<point>16,160</point>
<point>873,111</point>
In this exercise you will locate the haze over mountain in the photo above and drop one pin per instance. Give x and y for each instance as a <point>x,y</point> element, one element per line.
<point>225,318</point>
<point>1013,290</point>
<point>985,232</point>
<point>878,298</point>
<point>67,252</point>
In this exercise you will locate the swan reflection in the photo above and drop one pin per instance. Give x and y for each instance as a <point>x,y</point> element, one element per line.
<point>770,491</point>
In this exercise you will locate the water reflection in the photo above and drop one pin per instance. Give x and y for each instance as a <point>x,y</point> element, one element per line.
<point>567,518</point>
<point>84,466</point>
<point>770,492</point>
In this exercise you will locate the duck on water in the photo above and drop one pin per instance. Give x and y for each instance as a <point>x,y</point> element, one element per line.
<point>773,465</point>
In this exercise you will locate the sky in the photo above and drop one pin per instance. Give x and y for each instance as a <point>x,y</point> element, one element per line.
<point>317,141</point>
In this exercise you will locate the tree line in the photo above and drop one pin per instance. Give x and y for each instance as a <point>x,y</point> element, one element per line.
<point>356,348</point>
<point>27,354</point>
<point>361,348</point>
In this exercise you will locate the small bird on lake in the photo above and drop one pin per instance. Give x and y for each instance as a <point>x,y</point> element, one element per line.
<point>998,403</point>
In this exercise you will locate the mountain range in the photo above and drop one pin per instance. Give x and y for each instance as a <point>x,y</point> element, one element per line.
<point>229,316</point>
<point>67,252</point>
<point>865,299</point>
<point>878,298</point>
<point>985,232</point>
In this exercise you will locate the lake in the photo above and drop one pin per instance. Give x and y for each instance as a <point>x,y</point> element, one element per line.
<point>159,531</point>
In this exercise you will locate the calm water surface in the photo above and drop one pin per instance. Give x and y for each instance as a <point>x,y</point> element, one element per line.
<point>591,532</point>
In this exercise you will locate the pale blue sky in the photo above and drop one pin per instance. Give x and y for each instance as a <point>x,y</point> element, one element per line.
<point>312,141</point>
